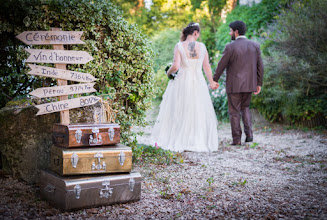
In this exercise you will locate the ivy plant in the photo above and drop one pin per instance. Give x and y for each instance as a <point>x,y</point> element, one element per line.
<point>123,58</point>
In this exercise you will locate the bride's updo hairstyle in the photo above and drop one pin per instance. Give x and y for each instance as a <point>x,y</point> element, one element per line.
<point>191,27</point>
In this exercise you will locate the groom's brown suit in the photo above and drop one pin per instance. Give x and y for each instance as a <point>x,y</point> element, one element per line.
<point>243,62</point>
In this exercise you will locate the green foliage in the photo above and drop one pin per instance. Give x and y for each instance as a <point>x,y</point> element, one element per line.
<point>214,7</point>
<point>295,81</point>
<point>163,14</point>
<point>271,107</point>
<point>161,82</point>
<point>210,181</point>
<point>155,155</point>
<point>123,58</point>
<point>175,15</point>
<point>253,145</point>
<point>208,38</point>
<point>219,101</point>
<point>240,183</point>
<point>14,83</point>
<point>163,45</point>
<point>256,19</point>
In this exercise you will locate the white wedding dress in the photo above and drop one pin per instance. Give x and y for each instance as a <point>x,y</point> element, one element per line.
<point>187,120</point>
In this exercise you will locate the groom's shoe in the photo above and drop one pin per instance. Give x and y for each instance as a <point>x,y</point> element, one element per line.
<point>248,139</point>
<point>236,143</point>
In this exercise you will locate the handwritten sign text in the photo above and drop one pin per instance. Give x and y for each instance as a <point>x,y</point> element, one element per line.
<point>63,90</point>
<point>60,74</point>
<point>66,104</point>
<point>50,37</point>
<point>58,56</point>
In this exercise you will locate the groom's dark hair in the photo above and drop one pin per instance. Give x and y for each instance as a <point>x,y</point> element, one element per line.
<point>238,25</point>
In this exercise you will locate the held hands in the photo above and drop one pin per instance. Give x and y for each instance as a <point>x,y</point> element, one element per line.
<point>258,90</point>
<point>214,85</point>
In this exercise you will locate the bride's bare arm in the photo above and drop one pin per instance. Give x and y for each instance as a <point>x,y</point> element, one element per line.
<point>207,67</point>
<point>176,62</point>
<point>208,71</point>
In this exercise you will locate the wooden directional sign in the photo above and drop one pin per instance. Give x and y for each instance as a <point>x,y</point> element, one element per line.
<point>63,90</point>
<point>66,104</point>
<point>60,73</point>
<point>58,56</point>
<point>50,37</point>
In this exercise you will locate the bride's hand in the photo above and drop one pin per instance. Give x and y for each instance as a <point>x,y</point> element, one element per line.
<point>214,85</point>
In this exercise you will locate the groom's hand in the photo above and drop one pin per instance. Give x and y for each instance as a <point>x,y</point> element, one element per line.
<point>258,90</point>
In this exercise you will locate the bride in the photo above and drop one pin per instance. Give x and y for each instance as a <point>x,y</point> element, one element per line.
<point>187,120</point>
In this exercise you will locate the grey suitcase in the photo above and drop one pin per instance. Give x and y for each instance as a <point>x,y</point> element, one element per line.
<point>67,193</point>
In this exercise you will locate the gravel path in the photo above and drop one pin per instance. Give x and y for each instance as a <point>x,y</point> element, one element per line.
<point>282,175</point>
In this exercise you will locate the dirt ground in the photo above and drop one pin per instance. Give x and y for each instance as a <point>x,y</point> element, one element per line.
<point>281,175</point>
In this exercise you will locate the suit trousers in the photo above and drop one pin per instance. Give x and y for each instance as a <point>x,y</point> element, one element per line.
<point>238,106</point>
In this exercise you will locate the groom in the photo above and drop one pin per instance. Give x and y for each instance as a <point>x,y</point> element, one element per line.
<point>242,60</point>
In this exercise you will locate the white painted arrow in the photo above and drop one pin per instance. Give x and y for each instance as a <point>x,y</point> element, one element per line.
<point>50,37</point>
<point>66,104</point>
<point>63,90</point>
<point>58,56</point>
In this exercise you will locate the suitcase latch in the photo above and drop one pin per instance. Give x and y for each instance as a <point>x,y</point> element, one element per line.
<point>74,159</point>
<point>131,184</point>
<point>98,166</point>
<point>111,133</point>
<point>77,190</point>
<point>106,191</point>
<point>49,188</point>
<point>78,135</point>
<point>121,158</point>
<point>95,137</point>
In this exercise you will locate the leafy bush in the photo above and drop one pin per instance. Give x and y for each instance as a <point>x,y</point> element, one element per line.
<point>163,44</point>
<point>219,101</point>
<point>256,19</point>
<point>295,81</point>
<point>155,155</point>
<point>209,39</point>
<point>123,58</point>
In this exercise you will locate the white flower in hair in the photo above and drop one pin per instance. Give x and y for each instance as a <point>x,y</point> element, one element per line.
<point>194,24</point>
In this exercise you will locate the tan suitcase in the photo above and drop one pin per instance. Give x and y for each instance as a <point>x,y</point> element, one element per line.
<point>76,192</point>
<point>104,159</point>
<point>85,135</point>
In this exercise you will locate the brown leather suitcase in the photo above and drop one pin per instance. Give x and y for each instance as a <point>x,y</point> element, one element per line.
<point>104,159</point>
<point>84,134</point>
<point>76,192</point>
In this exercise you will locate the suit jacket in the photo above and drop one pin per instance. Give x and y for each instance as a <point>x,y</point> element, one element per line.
<point>243,62</point>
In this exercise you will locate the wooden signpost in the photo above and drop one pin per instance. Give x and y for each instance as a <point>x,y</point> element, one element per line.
<point>60,58</point>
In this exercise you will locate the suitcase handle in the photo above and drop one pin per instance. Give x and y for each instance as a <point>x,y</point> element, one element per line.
<point>56,160</point>
<point>50,188</point>
<point>59,139</point>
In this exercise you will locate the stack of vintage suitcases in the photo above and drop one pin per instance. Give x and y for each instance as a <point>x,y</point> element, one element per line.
<point>89,168</point>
